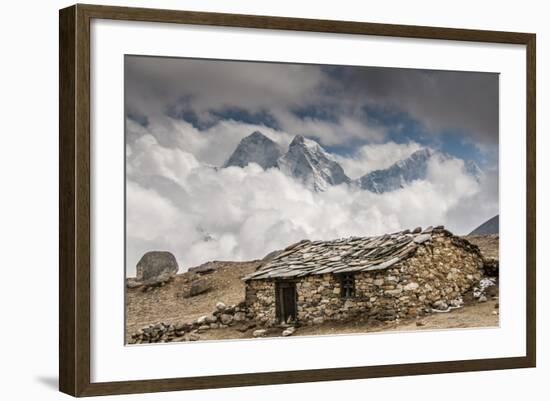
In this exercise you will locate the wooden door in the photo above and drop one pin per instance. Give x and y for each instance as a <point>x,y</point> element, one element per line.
<point>286,302</point>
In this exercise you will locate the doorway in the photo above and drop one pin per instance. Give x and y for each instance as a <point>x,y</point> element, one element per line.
<point>285,301</point>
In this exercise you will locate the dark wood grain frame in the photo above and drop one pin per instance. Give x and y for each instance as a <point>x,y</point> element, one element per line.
<point>74,199</point>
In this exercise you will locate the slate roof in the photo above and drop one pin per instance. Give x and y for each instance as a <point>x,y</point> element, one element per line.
<point>344,255</point>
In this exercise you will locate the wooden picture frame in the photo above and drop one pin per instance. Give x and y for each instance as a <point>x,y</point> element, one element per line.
<point>75,207</point>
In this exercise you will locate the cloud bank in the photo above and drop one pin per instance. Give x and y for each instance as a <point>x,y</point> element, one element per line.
<point>177,202</point>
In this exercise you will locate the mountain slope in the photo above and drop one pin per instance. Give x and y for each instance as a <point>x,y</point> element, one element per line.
<point>404,172</point>
<point>398,174</point>
<point>308,162</point>
<point>491,226</point>
<point>255,148</point>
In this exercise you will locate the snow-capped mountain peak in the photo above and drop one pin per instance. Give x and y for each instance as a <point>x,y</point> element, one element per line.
<point>405,171</point>
<point>308,162</point>
<point>398,174</point>
<point>255,148</point>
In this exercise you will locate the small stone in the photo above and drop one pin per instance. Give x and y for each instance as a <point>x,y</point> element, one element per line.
<point>226,319</point>
<point>204,327</point>
<point>411,286</point>
<point>495,312</point>
<point>440,305</point>
<point>239,316</point>
<point>220,306</point>
<point>482,298</point>
<point>133,283</point>
<point>259,333</point>
<point>198,287</point>
<point>194,337</point>
<point>394,293</point>
<point>318,320</point>
<point>202,320</point>
<point>211,319</point>
<point>420,323</point>
<point>378,282</point>
<point>289,331</point>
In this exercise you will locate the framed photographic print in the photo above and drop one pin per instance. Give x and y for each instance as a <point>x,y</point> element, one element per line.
<point>345,199</point>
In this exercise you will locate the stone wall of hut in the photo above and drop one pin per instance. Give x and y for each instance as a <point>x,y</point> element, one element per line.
<point>436,277</point>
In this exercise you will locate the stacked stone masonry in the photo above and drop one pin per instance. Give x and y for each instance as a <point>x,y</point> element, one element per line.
<point>434,276</point>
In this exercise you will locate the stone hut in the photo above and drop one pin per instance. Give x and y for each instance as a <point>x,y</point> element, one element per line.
<point>398,275</point>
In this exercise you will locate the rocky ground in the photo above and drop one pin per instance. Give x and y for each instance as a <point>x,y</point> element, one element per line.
<point>488,244</point>
<point>470,316</point>
<point>172,304</point>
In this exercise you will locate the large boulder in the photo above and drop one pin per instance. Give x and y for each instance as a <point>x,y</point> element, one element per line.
<point>156,267</point>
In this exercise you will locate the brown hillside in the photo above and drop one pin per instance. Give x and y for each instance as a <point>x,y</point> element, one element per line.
<point>488,244</point>
<point>169,304</point>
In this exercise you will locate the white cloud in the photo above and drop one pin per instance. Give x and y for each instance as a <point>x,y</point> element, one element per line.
<point>375,156</point>
<point>250,212</point>
<point>210,146</point>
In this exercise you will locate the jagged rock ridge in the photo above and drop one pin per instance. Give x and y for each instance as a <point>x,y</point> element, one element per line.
<point>308,162</point>
<point>255,148</point>
<point>406,171</point>
<point>398,174</point>
<point>317,169</point>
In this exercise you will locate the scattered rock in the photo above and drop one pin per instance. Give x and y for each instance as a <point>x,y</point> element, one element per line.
<point>205,268</point>
<point>456,303</point>
<point>226,319</point>
<point>482,298</point>
<point>133,283</point>
<point>211,319</point>
<point>318,320</point>
<point>199,286</point>
<point>440,305</point>
<point>220,306</point>
<point>194,337</point>
<point>420,323</point>
<point>259,333</point>
<point>289,331</point>
<point>239,316</point>
<point>246,326</point>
